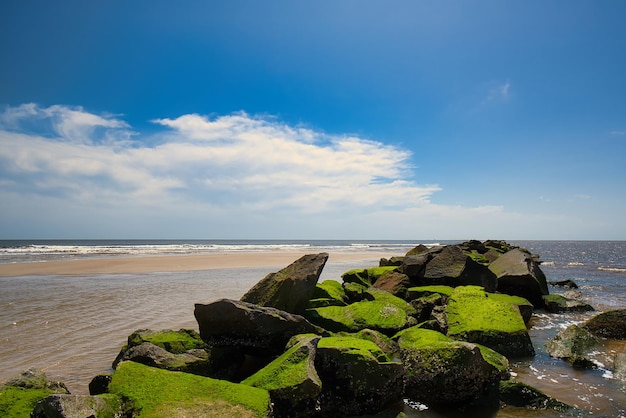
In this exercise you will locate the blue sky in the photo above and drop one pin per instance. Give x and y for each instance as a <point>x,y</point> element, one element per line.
<point>289,119</point>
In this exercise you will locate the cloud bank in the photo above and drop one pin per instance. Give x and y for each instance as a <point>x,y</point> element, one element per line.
<point>69,173</point>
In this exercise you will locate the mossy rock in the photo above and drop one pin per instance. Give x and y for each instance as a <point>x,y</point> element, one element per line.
<point>421,291</point>
<point>386,297</point>
<point>322,302</point>
<point>386,344</point>
<point>525,307</point>
<point>559,303</point>
<point>573,344</point>
<point>366,277</point>
<point>151,392</point>
<point>519,394</point>
<point>291,380</point>
<point>329,289</point>
<point>20,394</point>
<point>379,315</point>
<point>440,370</point>
<point>609,324</point>
<point>475,317</point>
<point>356,292</point>
<point>357,377</point>
<point>176,342</point>
<point>63,405</point>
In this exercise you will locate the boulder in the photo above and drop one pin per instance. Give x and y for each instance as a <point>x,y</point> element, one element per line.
<point>291,288</point>
<point>558,304</point>
<point>192,361</point>
<point>610,324</point>
<point>425,305</point>
<point>99,384</point>
<point>395,261</point>
<point>75,406</point>
<point>291,380</point>
<point>357,377</point>
<point>417,250</point>
<point>440,370</point>
<point>414,266</point>
<point>20,394</point>
<point>573,345</point>
<point>254,329</point>
<point>356,292</point>
<point>475,316</point>
<point>328,293</point>
<point>564,283</point>
<point>525,307</point>
<point>393,282</point>
<point>519,394</point>
<point>365,277</point>
<point>386,313</point>
<point>519,274</point>
<point>453,267</point>
<point>149,391</point>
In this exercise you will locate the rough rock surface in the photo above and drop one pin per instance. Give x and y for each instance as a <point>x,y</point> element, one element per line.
<point>522,395</point>
<point>291,380</point>
<point>476,317</point>
<point>453,267</point>
<point>559,304</point>
<point>75,406</point>
<point>610,324</point>
<point>254,329</point>
<point>573,345</point>
<point>192,361</point>
<point>20,394</point>
<point>393,282</point>
<point>357,377</point>
<point>291,288</point>
<point>519,274</point>
<point>442,371</point>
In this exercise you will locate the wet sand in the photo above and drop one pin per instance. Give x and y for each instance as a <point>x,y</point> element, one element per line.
<point>173,263</point>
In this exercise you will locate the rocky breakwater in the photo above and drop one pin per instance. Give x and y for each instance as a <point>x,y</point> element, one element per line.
<point>433,328</point>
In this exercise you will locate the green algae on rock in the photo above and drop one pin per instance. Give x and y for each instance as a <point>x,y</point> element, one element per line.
<point>366,277</point>
<point>291,379</point>
<point>150,392</point>
<point>435,363</point>
<point>20,394</point>
<point>357,376</point>
<point>475,317</point>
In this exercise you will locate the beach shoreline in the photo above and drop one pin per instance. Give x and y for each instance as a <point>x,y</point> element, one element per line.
<point>172,263</point>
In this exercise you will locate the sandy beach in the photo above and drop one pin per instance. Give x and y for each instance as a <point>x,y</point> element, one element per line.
<point>173,263</point>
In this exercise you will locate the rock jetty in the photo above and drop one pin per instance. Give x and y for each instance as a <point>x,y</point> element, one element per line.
<point>434,327</point>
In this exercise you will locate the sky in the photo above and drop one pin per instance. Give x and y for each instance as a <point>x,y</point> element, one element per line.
<point>313,120</point>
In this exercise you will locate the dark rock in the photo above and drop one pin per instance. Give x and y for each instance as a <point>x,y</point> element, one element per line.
<point>365,277</point>
<point>393,261</point>
<point>357,377</point>
<point>573,345</point>
<point>99,384</point>
<point>193,361</point>
<point>499,246</point>
<point>291,288</point>
<point>558,304</point>
<point>35,379</point>
<point>414,266</point>
<point>254,329</point>
<point>475,316</point>
<point>610,324</point>
<point>356,292</point>
<point>76,406</point>
<point>424,306</point>
<point>417,250</point>
<point>564,283</point>
<point>519,394</point>
<point>440,370</point>
<point>474,245</point>
<point>453,267</point>
<point>394,283</point>
<point>519,274</point>
<point>291,379</point>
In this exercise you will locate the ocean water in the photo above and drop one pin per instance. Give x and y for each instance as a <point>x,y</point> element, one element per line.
<point>73,326</point>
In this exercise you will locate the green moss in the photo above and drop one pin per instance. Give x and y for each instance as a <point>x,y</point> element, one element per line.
<point>355,346</point>
<point>176,342</point>
<point>376,315</point>
<point>152,392</point>
<point>470,309</point>
<point>478,257</point>
<point>513,300</point>
<point>288,370</point>
<point>420,291</point>
<point>17,402</point>
<point>388,298</point>
<point>329,289</point>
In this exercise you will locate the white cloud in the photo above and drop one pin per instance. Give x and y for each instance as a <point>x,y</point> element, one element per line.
<point>498,92</point>
<point>617,132</point>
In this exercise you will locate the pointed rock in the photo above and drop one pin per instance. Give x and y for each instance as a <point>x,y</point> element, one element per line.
<point>291,288</point>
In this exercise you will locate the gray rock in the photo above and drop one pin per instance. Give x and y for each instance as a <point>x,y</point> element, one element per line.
<point>453,267</point>
<point>291,288</point>
<point>155,356</point>
<point>253,329</point>
<point>610,324</point>
<point>558,304</point>
<point>573,345</point>
<point>519,274</point>
<point>76,406</point>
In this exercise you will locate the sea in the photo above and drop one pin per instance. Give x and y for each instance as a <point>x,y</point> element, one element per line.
<point>73,327</point>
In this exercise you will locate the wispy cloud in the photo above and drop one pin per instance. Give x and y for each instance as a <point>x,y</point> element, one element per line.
<point>498,91</point>
<point>230,161</point>
<point>616,132</point>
